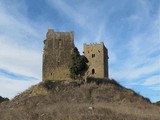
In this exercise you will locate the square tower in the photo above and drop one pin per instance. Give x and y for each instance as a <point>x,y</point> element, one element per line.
<point>57,51</point>
<point>97,55</point>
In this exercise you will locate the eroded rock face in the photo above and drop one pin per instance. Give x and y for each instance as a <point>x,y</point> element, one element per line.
<point>3,99</point>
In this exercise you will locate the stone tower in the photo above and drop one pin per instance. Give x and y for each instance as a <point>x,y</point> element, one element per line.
<point>58,47</point>
<point>97,55</point>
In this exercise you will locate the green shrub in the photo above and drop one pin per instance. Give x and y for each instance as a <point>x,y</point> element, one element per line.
<point>158,103</point>
<point>79,64</point>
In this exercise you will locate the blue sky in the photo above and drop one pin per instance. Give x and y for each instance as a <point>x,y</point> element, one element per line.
<point>130,30</point>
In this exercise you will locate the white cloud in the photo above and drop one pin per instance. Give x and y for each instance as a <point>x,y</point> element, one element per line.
<point>19,60</point>
<point>15,23</point>
<point>66,9</point>
<point>10,88</point>
<point>155,87</point>
<point>85,17</point>
<point>19,52</point>
<point>154,80</point>
<point>132,60</point>
<point>142,58</point>
<point>130,72</point>
<point>139,48</point>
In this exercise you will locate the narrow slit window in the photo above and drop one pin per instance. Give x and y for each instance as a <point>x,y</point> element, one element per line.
<point>93,71</point>
<point>60,42</point>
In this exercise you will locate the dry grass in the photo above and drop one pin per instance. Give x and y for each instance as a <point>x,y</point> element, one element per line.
<point>158,103</point>
<point>3,99</point>
<point>70,100</point>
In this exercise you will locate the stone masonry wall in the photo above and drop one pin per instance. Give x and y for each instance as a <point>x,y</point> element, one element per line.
<point>97,55</point>
<point>58,47</point>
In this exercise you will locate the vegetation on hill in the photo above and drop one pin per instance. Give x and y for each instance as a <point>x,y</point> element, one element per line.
<point>96,99</point>
<point>79,64</point>
<point>158,103</point>
<point>3,99</point>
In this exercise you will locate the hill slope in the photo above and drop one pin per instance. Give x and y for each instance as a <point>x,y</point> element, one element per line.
<point>72,100</point>
<point>3,99</point>
<point>158,103</point>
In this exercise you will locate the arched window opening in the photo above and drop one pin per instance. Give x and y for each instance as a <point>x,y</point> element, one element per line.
<point>93,71</point>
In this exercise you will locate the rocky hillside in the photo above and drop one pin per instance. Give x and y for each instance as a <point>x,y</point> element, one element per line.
<point>74,100</point>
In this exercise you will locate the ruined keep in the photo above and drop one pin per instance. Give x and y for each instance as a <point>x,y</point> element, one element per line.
<point>97,55</point>
<point>58,47</point>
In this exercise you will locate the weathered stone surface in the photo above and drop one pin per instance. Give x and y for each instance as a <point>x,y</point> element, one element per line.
<point>97,55</point>
<point>58,47</point>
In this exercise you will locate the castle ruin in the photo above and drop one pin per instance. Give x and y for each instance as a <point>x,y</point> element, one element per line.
<point>58,47</point>
<point>97,55</point>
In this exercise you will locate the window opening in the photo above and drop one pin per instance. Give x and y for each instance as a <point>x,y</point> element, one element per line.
<point>60,43</point>
<point>93,55</point>
<point>58,62</point>
<point>93,71</point>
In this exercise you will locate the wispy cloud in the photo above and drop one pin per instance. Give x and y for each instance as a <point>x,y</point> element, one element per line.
<point>153,80</point>
<point>130,60</point>
<point>66,9</point>
<point>78,12</point>
<point>11,88</point>
<point>141,51</point>
<point>130,30</point>
<point>20,58</point>
<point>86,17</point>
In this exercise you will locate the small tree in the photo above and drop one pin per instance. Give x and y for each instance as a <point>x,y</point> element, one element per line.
<point>79,64</point>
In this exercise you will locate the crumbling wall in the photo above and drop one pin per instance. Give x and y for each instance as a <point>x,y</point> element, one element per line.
<point>58,47</point>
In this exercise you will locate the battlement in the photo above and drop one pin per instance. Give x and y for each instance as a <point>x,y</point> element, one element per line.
<point>93,44</point>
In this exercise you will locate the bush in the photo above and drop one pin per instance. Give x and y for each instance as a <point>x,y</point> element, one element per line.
<point>158,103</point>
<point>79,64</point>
<point>3,99</point>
